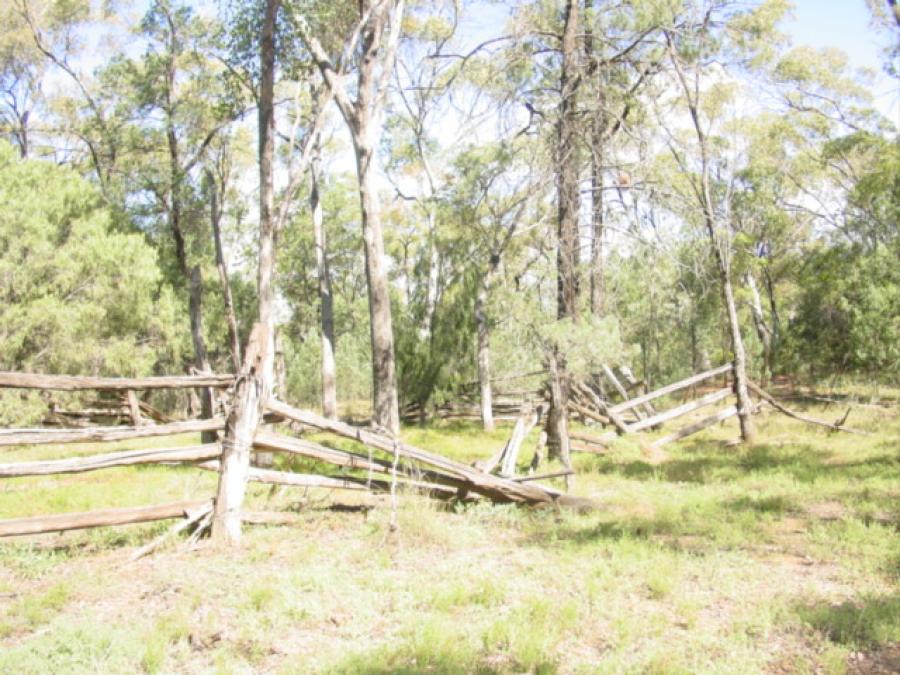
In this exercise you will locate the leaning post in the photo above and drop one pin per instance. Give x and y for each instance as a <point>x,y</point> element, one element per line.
<point>252,390</point>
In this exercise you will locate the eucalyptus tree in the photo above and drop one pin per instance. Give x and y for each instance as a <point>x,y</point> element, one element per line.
<point>378,34</point>
<point>175,109</point>
<point>696,43</point>
<point>83,127</point>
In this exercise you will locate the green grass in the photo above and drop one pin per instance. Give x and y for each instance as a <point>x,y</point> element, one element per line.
<point>719,560</point>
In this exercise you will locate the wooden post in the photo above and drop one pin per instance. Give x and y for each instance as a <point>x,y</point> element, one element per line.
<point>134,410</point>
<point>251,392</point>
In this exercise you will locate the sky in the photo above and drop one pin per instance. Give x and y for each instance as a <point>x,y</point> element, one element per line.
<point>846,24</point>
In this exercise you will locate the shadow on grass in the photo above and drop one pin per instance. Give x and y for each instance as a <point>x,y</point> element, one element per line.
<point>706,463</point>
<point>875,620</point>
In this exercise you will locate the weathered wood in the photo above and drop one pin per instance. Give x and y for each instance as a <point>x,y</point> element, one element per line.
<point>269,440</point>
<point>14,380</point>
<point>251,390</point>
<point>604,409</point>
<point>488,485</point>
<point>555,474</point>
<point>611,376</point>
<point>587,412</point>
<point>134,410</point>
<point>683,409</point>
<point>720,416</point>
<point>79,521</point>
<point>834,426</point>
<point>306,480</point>
<point>631,382</point>
<point>193,453</point>
<point>191,519</point>
<point>523,427</point>
<point>671,388</point>
<point>603,440</point>
<point>10,437</point>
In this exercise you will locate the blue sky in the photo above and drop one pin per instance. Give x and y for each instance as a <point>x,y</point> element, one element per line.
<point>846,24</point>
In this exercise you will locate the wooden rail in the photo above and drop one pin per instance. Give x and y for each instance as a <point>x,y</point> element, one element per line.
<point>194,453</point>
<point>79,521</point>
<point>15,380</point>
<point>10,437</point>
<point>720,416</point>
<point>683,409</point>
<point>477,481</point>
<point>671,388</point>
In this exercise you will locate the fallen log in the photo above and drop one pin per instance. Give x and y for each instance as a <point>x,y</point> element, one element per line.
<point>671,388</point>
<point>681,410</point>
<point>488,485</point>
<point>720,416</point>
<point>15,380</point>
<point>834,426</point>
<point>194,453</point>
<point>10,437</point>
<point>79,521</point>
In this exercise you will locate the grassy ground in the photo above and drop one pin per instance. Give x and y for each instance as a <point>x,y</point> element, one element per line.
<point>784,557</point>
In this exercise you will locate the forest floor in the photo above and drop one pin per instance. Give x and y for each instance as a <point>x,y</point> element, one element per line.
<point>780,558</point>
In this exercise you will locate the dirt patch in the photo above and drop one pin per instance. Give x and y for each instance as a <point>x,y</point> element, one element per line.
<point>883,661</point>
<point>827,511</point>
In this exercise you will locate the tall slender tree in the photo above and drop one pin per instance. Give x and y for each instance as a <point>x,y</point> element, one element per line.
<point>380,33</point>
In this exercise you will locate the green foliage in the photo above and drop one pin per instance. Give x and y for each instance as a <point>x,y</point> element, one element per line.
<point>76,297</point>
<point>848,314</point>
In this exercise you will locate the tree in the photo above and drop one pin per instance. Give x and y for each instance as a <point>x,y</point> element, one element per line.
<point>379,35</point>
<point>77,297</point>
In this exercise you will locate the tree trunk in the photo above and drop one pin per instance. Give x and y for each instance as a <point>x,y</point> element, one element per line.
<point>267,233</point>
<point>484,357</point>
<point>254,383</point>
<point>215,211</point>
<point>250,396</point>
<point>431,291</point>
<point>385,411</point>
<point>557,420</point>
<point>762,329</point>
<point>567,252</point>
<point>722,249</point>
<point>744,404</point>
<point>598,131</point>
<point>775,322</point>
<point>192,275</point>
<point>326,304</point>
<point>568,198</point>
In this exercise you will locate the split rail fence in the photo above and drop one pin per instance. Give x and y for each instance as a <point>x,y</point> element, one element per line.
<point>387,464</point>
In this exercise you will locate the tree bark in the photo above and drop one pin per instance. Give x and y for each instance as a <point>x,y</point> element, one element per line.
<point>557,418</point>
<point>215,213</point>
<point>598,132</point>
<point>364,125</point>
<point>567,252</point>
<point>722,249</point>
<point>484,357</point>
<point>254,384</point>
<point>568,199</point>
<point>326,302</point>
<point>763,332</point>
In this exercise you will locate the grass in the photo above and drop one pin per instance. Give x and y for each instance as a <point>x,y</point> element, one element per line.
<point>782,557</point>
